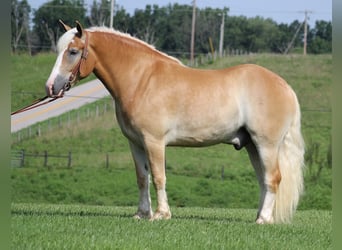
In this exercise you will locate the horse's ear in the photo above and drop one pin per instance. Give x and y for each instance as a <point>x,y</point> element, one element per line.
<point>64,26</point>
<point>79,29</point>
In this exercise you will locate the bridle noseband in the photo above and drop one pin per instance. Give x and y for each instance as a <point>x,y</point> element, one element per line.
<point>76,70</point>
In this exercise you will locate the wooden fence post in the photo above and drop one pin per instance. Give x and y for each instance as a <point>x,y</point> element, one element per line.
<point>105,108</point>
<point>39,130</point>
<point>69,119</point>
<point>97,111</point>
<point>69,159</point>
<point>22,159</point>
<point>45,158</point>
<point>107,160</point>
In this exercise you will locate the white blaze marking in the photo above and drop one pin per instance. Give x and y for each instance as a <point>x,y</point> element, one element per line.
<point>55,71</point>
<point>61,47</point>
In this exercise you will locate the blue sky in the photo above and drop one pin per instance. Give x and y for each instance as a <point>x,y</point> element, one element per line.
<point>279,10</point>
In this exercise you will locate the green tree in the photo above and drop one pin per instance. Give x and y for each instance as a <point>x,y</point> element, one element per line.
<point>208,26</point>
<point>235,31</point>
<point>260,35</point>
<point>46,20</point>
<point>320,38</point>
<point>122,19</point>
<point>176,34</point>
<point>20,12</point>
<point>168,27</point>
<point>144,24</point>
<point>100,13</point>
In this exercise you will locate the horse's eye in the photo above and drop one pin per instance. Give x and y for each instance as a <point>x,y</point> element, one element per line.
<point>73,52</point>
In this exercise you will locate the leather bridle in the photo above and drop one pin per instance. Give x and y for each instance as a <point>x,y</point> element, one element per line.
<point>76,70</point>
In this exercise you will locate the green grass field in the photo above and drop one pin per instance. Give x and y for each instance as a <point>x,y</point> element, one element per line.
<point>210,208</point>
<point>102,227</point>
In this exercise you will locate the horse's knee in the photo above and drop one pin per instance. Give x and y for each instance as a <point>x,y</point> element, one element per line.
<point>159,182</point>
<point>158,177</point>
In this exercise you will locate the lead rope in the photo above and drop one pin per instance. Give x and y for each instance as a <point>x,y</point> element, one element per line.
<point>35,104</point>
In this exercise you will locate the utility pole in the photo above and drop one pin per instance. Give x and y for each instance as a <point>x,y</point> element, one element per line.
<point>112,4</point>
<point>221,36</point>
<point>192,45</point>
<point>305,31</point>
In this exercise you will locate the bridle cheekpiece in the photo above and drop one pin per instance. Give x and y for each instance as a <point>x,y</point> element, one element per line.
<point>76,70</point>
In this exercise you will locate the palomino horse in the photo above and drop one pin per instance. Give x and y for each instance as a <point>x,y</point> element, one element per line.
<point>160,102</point>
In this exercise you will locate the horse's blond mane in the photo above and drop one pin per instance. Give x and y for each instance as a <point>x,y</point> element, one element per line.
<point>132,38</point>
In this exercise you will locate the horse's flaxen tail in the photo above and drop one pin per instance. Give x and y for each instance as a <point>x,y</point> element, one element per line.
<point>291,164</point>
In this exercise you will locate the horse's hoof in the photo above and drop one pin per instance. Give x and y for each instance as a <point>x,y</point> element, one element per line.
<point>262,221</point>
<point>141,215</point>
<point>161,216</point>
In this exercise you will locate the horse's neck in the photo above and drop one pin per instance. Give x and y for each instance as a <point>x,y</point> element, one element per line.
<point>123,63</point>
<point>119,63</point>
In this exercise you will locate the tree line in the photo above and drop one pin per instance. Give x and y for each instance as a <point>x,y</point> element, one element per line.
<point>168,28</point>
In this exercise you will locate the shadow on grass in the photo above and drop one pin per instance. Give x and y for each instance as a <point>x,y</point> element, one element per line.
<point>122,212</point>
<point>227,219</point>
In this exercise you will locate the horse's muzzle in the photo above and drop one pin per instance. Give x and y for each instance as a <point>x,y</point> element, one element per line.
<point>59,86</point>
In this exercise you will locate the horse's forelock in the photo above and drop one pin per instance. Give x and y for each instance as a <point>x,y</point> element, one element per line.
<point>65,39</point>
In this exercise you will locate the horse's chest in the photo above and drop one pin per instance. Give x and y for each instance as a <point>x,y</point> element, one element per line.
<point>127,125</point>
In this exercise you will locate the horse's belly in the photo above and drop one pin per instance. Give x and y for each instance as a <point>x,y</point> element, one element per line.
<point>199,137</point>
<point>192,142</point>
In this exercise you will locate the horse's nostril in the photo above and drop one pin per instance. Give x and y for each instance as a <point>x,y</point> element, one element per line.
<point>67,86</point>
<point>53,90</point>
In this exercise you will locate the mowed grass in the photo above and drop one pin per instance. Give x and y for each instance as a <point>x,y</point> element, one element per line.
<point>102,227</point>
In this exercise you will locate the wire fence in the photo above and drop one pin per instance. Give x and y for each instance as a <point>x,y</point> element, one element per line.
<point>93,111</point>
<point>21,158</point>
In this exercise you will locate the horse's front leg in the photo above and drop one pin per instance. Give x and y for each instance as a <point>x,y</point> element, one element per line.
<point>156,155</point>
<point>143,181</point>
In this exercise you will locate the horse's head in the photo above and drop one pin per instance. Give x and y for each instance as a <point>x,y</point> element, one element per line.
<point>73,62</point>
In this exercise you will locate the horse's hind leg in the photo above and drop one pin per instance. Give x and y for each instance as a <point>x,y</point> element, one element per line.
<point>271,179</point>
<point>142,172</point>
<point>265,162</point>
<point>258,167</point>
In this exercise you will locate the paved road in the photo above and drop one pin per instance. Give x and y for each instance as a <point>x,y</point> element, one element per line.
<point>73,99</point>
